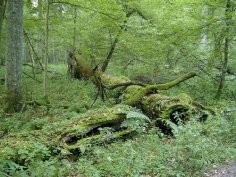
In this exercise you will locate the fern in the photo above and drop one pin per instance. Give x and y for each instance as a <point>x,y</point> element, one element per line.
<point>135,120</point>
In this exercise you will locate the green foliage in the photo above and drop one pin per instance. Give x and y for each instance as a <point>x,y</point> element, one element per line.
<point>51,167</point>
<point>195,148</point>
<point>174,37</point>
<point>135,120</point>
<point>191,153</point>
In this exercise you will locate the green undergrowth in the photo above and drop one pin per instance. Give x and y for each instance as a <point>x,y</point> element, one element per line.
<point>195,147</point>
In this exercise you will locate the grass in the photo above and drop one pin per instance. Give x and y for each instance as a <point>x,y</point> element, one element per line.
<point>195,148</point>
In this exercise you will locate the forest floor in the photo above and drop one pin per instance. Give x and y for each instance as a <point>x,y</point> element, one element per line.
<point>228,170</point>
<point>197,149</point>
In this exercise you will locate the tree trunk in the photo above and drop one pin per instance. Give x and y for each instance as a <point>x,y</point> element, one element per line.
<point>46,53</point>
<point>40,33</point>
<point>14,55</point>
<point>228,18</point>
<point>74,34</point>
<point>71,136</point>
<point>129,11</point>
<point>2,13</point>
<point>204,35</point>
<point>114,43</point>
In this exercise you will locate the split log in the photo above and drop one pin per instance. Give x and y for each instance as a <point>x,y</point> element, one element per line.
<point>67,136</point>
<point>87,130</point>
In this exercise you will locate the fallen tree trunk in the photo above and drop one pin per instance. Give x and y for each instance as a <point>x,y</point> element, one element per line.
<point>158,109</point>
<point>133,95</point>
<point>67,137</point>
<point>144,96</point>
<point>78,68</point>
<point>72,136</point>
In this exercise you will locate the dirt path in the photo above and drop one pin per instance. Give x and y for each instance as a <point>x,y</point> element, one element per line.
<point>223,171</point>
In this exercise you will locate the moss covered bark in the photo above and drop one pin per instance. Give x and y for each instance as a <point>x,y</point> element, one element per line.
<point>68,136</point>
<point>71,136</point>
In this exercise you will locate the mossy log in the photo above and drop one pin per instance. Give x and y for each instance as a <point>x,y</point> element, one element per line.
<point>67,136</point>
<point>85,130</point>
<point>78,68</point>
<point>140,95</point>
<point>83,70</point>
<point>144,96</point>
<point>133,95</point>
<point>71,136</point>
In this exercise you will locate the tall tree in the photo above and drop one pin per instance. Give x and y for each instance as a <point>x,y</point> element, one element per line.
<point>2,13</point>
<point>228,19</point>
<point>74,35</point>
<point>14,55</point>
<point>40,32</point>
<point>46,52</point>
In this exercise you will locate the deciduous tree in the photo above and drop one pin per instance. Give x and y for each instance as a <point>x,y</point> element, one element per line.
<point>14,55</point>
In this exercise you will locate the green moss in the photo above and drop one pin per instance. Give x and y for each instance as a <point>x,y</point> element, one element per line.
<point>13,102</point>
<point>133,95</point>
<point>97,139</point>
<point>113,80</point>
<point>171,84</point>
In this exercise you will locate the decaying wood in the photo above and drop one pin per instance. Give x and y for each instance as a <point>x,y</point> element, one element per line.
<point>140,95</point>
<point>72,136</point>
<point>134,95</point>
<point>84,130</point>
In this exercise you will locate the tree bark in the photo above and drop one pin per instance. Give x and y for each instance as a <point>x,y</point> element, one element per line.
<point>46,53</point>
<point>74,34</point>
<point>122,28</point>
<point>2,13</point>
<point>72,136</point>
<point>14,55</point>
<point>110,53</point>
<point>40,33</point>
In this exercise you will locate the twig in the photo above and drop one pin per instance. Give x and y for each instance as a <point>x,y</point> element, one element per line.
<point>26,64</point>
<point>28,75</point>
<point>28,39</point>
<point>101,90</point>
<point>34,78</point>
<point>82,7</point>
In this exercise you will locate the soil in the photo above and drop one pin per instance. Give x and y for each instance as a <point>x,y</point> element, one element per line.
<point>228,170</point>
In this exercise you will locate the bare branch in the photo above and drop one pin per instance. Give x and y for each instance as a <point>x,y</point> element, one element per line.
<point>83,7</point>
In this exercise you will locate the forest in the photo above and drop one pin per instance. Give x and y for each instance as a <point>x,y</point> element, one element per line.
<point>117,88</point>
